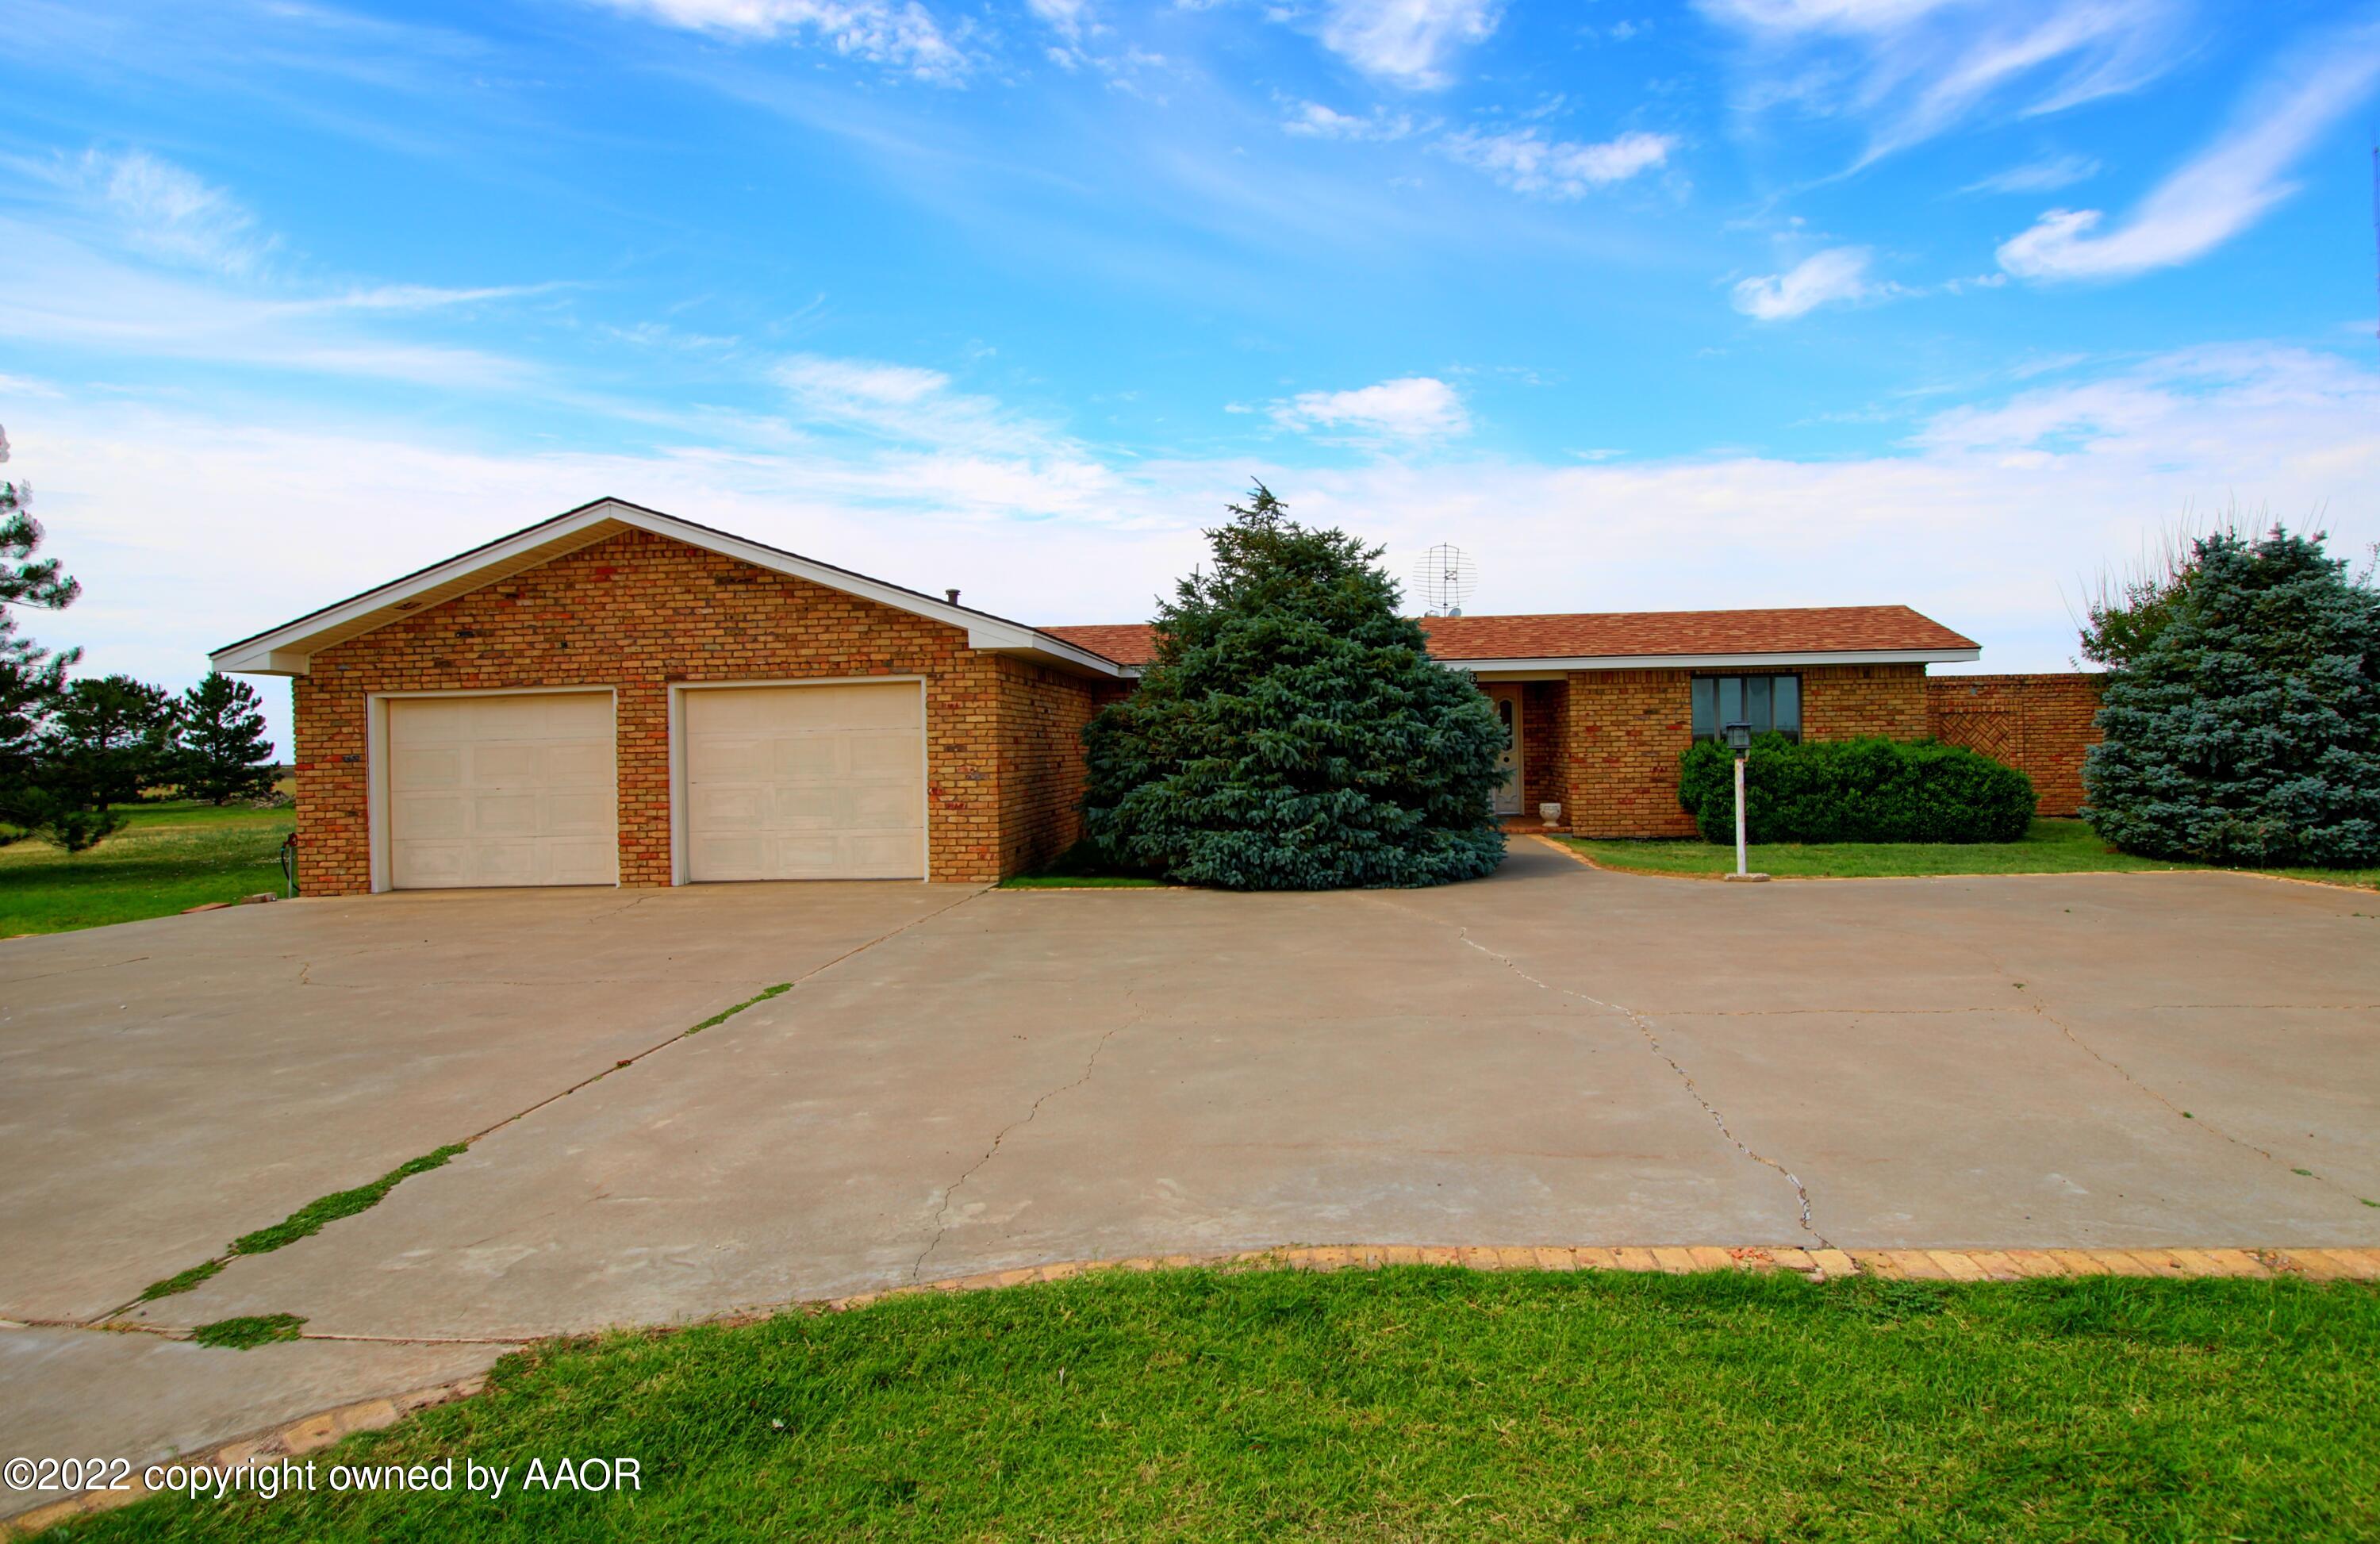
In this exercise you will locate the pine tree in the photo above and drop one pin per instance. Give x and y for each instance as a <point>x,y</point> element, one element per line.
<point>32,684</point>
<point>111,738</point>
<point>1292,732</point>
<point>2247,729</point>
<point>223,754</point>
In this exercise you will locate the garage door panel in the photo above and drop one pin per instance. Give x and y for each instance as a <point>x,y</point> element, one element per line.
<point>441,768</point>
<point>502,790</point>
<point>806,756</point>
<point>728,760</point>
<point>837,793</point>
<point>885,756</point>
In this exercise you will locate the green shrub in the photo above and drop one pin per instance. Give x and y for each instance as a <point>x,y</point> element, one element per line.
<point>1869,790</point>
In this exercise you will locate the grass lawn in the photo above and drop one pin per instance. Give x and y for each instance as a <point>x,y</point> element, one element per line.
<point>2050,846</point>
<point>1417,1403</point>
<point>1078,868</point>
<point>167,859</point>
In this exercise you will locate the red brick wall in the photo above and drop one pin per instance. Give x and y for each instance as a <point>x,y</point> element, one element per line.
<point>1041,717</point>
<point>637,612</point>
<point>2039,724</point>
<point>1628,728</point>
<point>1544,768</point>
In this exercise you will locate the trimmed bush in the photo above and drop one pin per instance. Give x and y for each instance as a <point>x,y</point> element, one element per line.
<point>1869,790</point>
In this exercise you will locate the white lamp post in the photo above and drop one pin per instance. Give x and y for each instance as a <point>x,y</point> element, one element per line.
<point>1738,740</point>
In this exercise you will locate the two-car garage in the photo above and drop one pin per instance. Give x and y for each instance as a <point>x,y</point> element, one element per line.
<point>820,780</point>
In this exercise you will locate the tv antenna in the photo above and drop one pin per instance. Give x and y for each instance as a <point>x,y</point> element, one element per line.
<point>1446,577</point>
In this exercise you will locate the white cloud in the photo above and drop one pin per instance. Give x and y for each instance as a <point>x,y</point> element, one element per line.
<point>1910,69</point>
<point>1066,18</point>
<point>189,529</point>
<point>2230,185</point>
<point>165,211</point>
<point>2044,176</point>
<point>57,291</point>
<point>1526,161</point>
<point>1413,410</point>
<point>1408,41</point>
<point>1839,274</point>
<point>1313,120</point>
<point>897,32</point>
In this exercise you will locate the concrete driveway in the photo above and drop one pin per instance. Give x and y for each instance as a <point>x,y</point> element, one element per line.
<point>965,1080</point>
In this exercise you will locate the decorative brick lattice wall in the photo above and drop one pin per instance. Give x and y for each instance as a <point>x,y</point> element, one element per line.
<point>2039,724</point>
<point>638,613</point>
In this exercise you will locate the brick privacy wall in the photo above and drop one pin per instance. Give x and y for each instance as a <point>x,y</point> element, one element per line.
<point>637,612</point>
<point>2039,724</point>
<point>1628,728</point>
<point>1544,780</point>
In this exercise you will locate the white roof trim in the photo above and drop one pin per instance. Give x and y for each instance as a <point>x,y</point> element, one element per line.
<point>287,649</point>
<point>1563,664</point>
<point>1705,661</point>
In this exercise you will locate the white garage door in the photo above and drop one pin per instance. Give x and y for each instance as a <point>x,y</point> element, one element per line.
<point>502,790</point>
<point>806,782</point>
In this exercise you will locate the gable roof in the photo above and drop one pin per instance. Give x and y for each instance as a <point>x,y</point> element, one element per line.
<point>289,649</point>
<point>1621,639</point>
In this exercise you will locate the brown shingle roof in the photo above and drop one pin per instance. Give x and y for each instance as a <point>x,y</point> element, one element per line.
<point>1618,634</point>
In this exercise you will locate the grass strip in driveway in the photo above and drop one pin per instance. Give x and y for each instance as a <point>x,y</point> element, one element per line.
<point>724,1015</point>
<point>247,1333</point>
<point>2052,847</point>
<point>319,1213</point>
<point>1424,1403</point>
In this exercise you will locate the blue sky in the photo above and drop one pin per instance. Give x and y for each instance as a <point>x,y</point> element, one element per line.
<point>1736,302</point>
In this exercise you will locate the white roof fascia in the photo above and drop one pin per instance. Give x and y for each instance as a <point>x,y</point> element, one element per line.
<point>285,651</point>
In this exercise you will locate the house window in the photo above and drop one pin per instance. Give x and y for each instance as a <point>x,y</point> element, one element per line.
<point>1766,702</point>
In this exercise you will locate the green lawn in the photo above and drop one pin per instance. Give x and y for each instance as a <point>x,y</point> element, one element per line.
<point>167,859</point>
<point>1079,868</point>
<point>1415,1402</point>
<point>2050,846</point>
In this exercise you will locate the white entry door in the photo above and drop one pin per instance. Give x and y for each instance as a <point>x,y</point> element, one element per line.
<point>806,782</point>
<point>502,790</point>
<point>1506,700</point>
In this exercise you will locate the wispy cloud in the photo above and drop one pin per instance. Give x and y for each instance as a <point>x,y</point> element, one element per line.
<point>1832,277</point>
<point>1313,120</point>
<point>1412,411</point>
<point>2232,184</point>
<point>1527,162</point>
<point>2045,175</point>
<point>899,34</point>
<point>167,211</point>
<point>1907,70</point>
<point>1409,42</point>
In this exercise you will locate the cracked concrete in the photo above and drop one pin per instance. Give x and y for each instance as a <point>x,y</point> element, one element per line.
<point>1554,1054</point>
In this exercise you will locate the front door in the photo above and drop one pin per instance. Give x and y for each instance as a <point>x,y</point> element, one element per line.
<point>1507,700</point>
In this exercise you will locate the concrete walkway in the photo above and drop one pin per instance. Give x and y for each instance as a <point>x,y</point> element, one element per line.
<point>966,1083</point>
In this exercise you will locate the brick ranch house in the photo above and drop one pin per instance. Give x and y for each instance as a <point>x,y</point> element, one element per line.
<point>616,695</point>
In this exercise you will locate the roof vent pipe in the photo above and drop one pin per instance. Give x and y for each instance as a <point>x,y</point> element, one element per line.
<point>953,595</point>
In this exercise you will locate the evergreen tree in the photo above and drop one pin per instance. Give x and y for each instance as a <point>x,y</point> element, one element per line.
<point>223,754</point>
<point>32,684</point>
<point>2246,728</point>
<point>111,738</point>
<point>1292,732</point>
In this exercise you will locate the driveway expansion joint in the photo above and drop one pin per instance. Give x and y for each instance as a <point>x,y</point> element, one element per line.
<point>942,1212</point>
<point>1645,1028</point>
